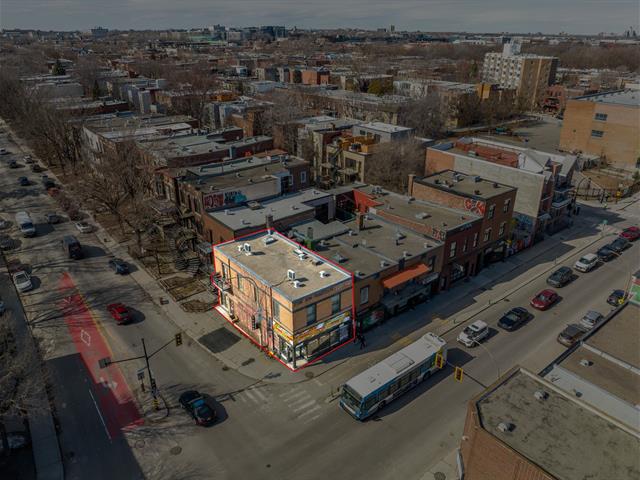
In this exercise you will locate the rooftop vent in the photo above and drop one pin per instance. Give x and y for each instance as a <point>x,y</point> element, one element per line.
<point>477,192</point>
<point>298,251</point>
<point>269,239</point>
<point>400,235</point>
<point>495,185</point>
<point>477,179</point>
<point>383,263</point>
<point>506,427</point>
<point>227,211</point>
<point>291,275</point>
<point>297,284</point>
<point>586,363</point>
<point>422,215</point>
<point>437,181</point>
<point>406,254</point>
<point>410,199</point>
<point>324,274</point>
<point>540,394</point>
<point>302,256</point>
<point>246,248</point>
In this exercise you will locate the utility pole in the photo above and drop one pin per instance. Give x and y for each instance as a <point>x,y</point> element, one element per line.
<point>152,382</point>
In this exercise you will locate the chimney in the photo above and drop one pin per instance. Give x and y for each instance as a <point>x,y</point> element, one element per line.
<point>269,221</point>
<point>310,233</point>
<point>360,221</point>
<point>412,177</point>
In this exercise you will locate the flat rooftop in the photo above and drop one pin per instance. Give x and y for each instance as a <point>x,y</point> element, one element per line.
<point>194,144</point>
<point>472,186</point>
<point>270,263</point>
<point>385,127</point>
<point>112,121</point>
<point>561,434</point>
<point>215,169</point>
<point>619,337</point>
<point>628,98</point>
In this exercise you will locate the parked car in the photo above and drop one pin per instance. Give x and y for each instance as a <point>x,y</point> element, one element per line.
<point>617,298</point>
<point>6,242</point>
<point>571,335</point>
<point>119,266</point>
<point>36,168</point>
<point>4,151</point>
<point>24,182</point>
<point>13,164</point>
<point>586,263</point>
<point>606,254</point>
<point>560,277</point>
<point>120,313</point>
<point>52,217</point>
<point>514,318</point>
<point>474,334</point>
<point>22,280</point>
<point>196,405</point>
<point>590,319</point>
<point>545,299</point>
<point>84,227</point>
<point>27,159</point>
<point>48,184</point>
<point>619,245</point>
<point>4,223</point>
<point>631,233</point>
<point>2,307</point>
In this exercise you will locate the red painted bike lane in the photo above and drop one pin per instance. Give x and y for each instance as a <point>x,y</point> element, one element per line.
<point>117,407</point>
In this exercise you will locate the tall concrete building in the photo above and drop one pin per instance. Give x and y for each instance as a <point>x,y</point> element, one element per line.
<point>529,74</point>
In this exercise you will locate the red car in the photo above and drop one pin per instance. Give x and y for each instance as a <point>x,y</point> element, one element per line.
<point>544,299</point>
<point>631,233</point>
<point>120,313</point>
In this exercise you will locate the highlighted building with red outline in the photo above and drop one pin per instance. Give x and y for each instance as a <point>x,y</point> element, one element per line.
<point>294,304</point>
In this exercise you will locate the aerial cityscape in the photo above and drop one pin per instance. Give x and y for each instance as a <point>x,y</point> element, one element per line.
<point>300,240</point>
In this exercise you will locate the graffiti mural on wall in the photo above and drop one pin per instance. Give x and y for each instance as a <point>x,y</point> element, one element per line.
<point>474,206</point>
<point>216,200</point>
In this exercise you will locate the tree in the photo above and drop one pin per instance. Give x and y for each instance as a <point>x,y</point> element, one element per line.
<point>392,163</point>
<point>427,115</point>
<point>58,69</point>
<point>468,110</point>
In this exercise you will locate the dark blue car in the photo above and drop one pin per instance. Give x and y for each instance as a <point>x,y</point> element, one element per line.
<point>119,266</point>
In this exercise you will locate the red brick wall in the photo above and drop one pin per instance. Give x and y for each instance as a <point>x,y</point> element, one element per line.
<point>437,161</point>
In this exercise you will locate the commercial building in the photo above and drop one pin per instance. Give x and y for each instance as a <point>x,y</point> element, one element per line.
<point>290,301</point>
<point>529,74</point>
<point>606,125</point>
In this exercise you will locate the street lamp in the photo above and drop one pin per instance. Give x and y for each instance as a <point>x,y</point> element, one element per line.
<point>490,356</point>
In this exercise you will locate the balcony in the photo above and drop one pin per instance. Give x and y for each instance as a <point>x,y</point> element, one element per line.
<point>221,283</point>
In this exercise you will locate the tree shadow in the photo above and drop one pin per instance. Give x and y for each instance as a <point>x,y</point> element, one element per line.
<point>92,251</point>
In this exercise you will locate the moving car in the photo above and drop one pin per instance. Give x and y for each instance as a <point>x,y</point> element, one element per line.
<point>22,281</point>
<point>616,298</point>
<point>590,319</point>
<point>196,405</point>
<point>24,182</point>
<point>586,263</point>
<point>120,313</point>
<point>560,277</point>
<point>84,227</point>
<point>119,266</point>
<point>514,318</point>
<point>631,233</point>
<point>4,151</point>
<point>544,299</point>
<point>571,335</point>
<point>52,217</point>
<point>619,245</point>
<point>605,254</point>
<point>474,334</point>
<point>13,164</point>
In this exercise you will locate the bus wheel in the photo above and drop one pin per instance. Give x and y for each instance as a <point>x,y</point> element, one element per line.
<point>382,404</point>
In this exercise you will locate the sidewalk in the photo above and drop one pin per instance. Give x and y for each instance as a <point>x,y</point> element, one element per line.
<point>445,469</point>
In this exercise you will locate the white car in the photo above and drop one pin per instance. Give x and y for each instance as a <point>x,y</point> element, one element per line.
<point>27,159</point>
<point>84,227</point>
<point>591,319</point>
<point>22,281</point>
<point>586,263</point>
<point>474,334</point>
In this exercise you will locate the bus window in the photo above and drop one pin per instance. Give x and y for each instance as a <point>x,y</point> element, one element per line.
<point>370,402</point>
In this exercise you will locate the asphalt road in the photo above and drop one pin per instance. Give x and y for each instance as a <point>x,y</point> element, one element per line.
<point>265,430</point>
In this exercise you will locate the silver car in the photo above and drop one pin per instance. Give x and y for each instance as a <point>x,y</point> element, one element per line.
<point>22,280</point>
<point>590,319</point>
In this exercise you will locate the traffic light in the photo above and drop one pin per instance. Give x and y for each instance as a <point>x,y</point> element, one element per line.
<point>439,360</point>
<point>458,374</point>
<point>178,339</point>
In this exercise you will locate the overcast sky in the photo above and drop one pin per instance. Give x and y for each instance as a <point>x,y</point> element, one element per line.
<point>548,16</point>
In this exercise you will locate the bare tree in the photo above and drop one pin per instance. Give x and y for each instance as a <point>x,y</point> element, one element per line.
<point>392,163</point>
<point>428,115</point>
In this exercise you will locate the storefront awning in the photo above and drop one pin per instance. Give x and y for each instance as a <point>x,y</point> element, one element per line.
<point>405,275</point>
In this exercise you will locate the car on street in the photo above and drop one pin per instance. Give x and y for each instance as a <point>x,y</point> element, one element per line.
<point>48,184</point>
<point>36,168</point>
<point>631,233</point>
<point>606,254</point>
<point>560,277</point>
<point>22,281</point>
<point>13,164</point>
<point>4,223</point>
<point>617,298</point>
<point>545,299</point>
<point>4,151</point>
<point>474,333</point>
<point>27,159</point>
<point>6,242</point>
<point>619,245</point>
<point>587,262</point>
<point>2,307</point>
<point>52,217</point>
<point>196,405</point>
<point>591,319</point>
<point>84,227</point>
<point>571,335</point>
<point>514,318</point>
<point>120,313</point>
<point>119,266</point>
<point>24,182</point>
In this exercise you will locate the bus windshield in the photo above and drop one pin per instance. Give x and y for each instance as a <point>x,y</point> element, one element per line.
<point>351,398</point>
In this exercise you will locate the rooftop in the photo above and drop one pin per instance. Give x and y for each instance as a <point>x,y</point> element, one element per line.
<point>619,336</point>
<point>560,433</point>
<point>270,263</point>
<point>384,127</point>
<point>628,98</point>
<point>472,186</point>
<point>216,169</point>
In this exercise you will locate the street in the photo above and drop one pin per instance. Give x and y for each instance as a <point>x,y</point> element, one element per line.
<point>108,428</point>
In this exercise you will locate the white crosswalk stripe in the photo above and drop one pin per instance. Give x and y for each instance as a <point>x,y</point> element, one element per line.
<point>302,405</point>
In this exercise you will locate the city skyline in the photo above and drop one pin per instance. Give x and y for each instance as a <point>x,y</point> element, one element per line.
<point>571,16</point>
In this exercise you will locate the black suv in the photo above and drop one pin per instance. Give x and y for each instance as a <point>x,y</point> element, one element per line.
<point>514,318</point>
<point>196,405</point>
<point>619,245</point>
<point>606,254</point>
<point>560,277</point>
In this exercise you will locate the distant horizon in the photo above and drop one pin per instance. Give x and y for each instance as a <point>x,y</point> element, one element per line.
<point>549,17</point>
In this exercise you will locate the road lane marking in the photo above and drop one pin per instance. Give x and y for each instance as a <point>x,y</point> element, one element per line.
<point>289,396</point>
<point>100,415</point>
<point>260,394</point>
<point>250,395</point>
<point>304,406</point>
<point>311,410</point>
<point>300,400</point>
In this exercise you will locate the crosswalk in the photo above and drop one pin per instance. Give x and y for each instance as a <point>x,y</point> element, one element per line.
<point>299,403</point>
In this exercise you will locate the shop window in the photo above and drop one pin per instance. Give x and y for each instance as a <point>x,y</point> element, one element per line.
<point>364,295</point>
<point>335,304</point>
<point>311,314</point>
<point>492,210</point>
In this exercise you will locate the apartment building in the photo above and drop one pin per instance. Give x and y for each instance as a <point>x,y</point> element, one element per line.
<point>606,125</point>
<point>529,74</point>
<point>294,304</point>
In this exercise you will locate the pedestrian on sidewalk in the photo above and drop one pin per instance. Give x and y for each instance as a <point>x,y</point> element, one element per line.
<point>362,342</point>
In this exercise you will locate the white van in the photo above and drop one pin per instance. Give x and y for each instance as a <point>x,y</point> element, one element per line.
<point>23,220</point>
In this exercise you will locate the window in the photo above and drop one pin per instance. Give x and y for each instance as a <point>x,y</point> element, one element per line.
<point>507,204</point>
<point>475,239</point>
<point>311,314</point>
<point>335,304</point>
<point>597,133</point>
<point>492,210</point>
<point>364,295</point>
<point>432,263</point>
<point>276,310</point>
<point>464,245</point>
<point>487,234</point>
<point>303,177</point>
<point>239,280</point>
<point>452,252</point>
<point>601,117</point>
<point>502,227</point>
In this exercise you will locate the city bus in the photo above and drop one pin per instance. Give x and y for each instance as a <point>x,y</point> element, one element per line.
<point>371,390</point>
